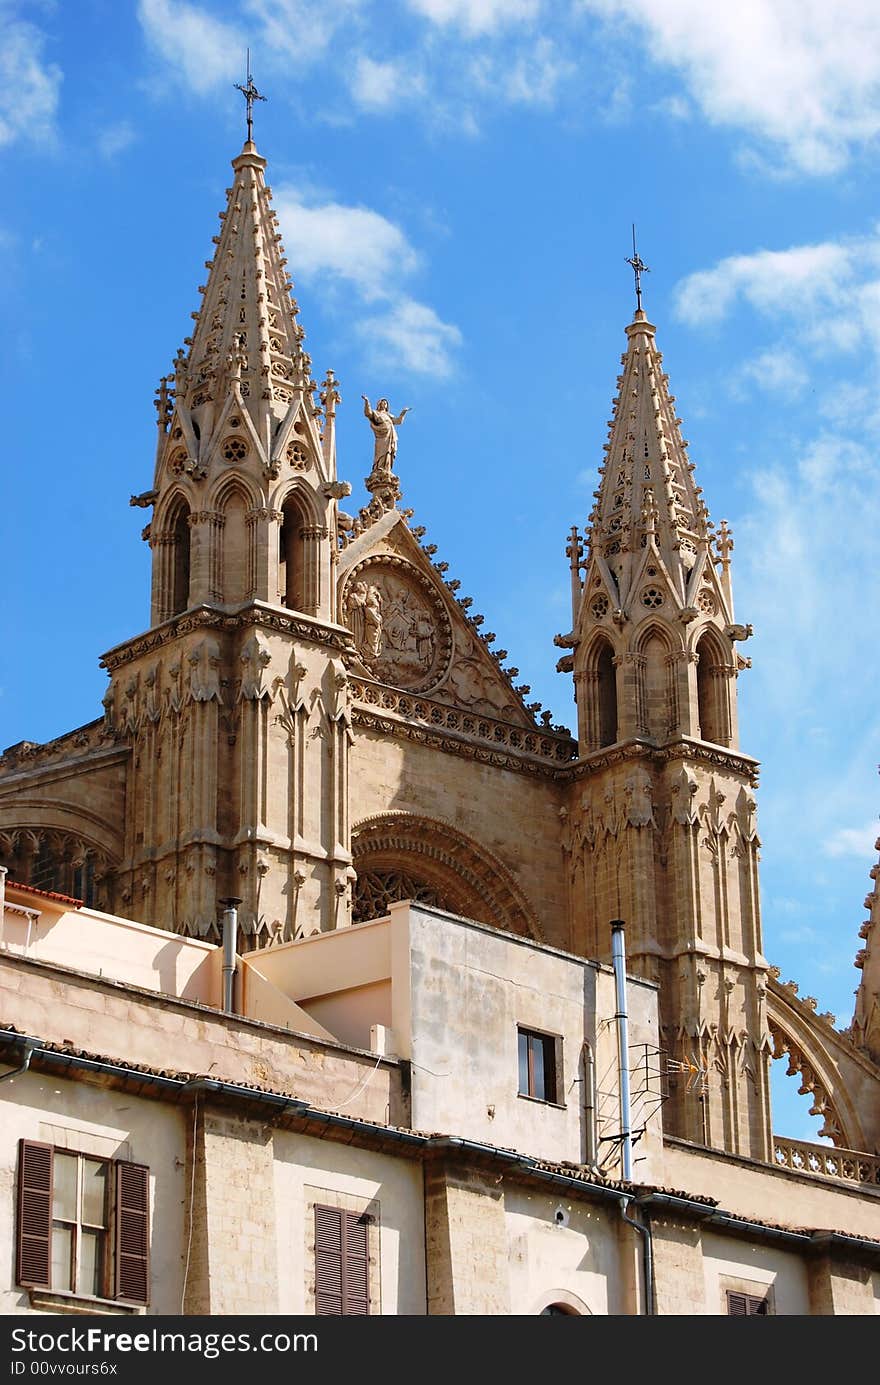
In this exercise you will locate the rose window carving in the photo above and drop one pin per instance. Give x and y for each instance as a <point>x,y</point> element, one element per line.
<point>652,597</point>
<point>599,606</point>
<point>706,603</point>
<point>177,464</point>
<point>297,455</point>
<point>234,450</point>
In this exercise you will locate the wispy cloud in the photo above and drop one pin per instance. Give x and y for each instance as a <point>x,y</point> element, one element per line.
<point>477,16</point>
<point>299,29</point>
<point>525,77</point>
<point>383,86</point>
<point>30,86</point>
<point>413,333</point>
<point>332,244</point>
<point>800,76</point>
<point>115,138</point>
<point>204,49</point>
<point>854,841</point>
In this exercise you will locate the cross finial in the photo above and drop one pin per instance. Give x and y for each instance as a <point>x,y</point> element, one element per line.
<point>639,268</point>
<point>250,95</point>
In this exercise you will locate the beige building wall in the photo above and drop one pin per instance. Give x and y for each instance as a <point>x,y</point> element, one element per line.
<point>763,1193</point>
<point>563,1252</point>
<point>109,1125</point>
<point>734,1264</point>
<point>309,1172</point>
<point>470,989</point>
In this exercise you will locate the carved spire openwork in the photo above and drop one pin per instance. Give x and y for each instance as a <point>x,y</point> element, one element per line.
<point>247,329</point>
<point>647,497</point>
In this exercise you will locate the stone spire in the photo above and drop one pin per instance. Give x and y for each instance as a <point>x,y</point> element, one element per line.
<point>656,578</point>
<point>246,459</point>
<point>648,500</point>
<point>247,333</point>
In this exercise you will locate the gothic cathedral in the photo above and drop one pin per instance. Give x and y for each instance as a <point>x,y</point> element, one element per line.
<point>316,726</point>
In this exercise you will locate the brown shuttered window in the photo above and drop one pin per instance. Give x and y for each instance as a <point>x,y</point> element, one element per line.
<point>341,1263</point>
<point>132,1232</point>
<point>34,1239</point>
<point>744,1305</point>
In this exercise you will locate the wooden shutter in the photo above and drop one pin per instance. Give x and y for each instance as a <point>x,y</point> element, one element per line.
<point>745,1305</point>
<point>132,1232</point>
<point>33,1261</point>
<point>341,1263</point>
<point>356,1282</point>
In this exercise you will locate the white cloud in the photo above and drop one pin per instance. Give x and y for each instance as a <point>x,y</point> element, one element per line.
<point>113,139</point>
<point>525,78</point>
<point>299,29</point>
<point>779,281</point>
<point>777,372</point>
<point>330,242</point>
<point>29,85</point>
<point>476,16</point>
<point>380,86</point>
<point>854,841</point>
<point>204,49</point>
<point>412,332</point>
<point>351,243</point>
<point>801,74</point>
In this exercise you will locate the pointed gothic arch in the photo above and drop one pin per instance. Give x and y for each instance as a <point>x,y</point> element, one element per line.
<point>300,533</point>
<point>172,537</point>
<point>600,693</point>
<point>815,1067</point>
<point>714,669</point>
<point>401,856</point>
<point>233,561</point>
<point>52,851</point>
<point>655,653</point>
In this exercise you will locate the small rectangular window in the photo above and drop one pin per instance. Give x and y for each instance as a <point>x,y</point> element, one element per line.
<point>537,1065</point>
<point>744,1305</point>
<point>67,1217</point>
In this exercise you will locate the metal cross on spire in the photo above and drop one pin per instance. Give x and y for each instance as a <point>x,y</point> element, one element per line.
<point>250,95</point>
<point>639,268</point>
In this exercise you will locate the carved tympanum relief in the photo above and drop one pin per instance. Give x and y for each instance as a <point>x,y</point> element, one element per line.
<point>398,623</point>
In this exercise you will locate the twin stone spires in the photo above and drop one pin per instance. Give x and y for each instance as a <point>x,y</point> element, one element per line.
<point>246,382</point>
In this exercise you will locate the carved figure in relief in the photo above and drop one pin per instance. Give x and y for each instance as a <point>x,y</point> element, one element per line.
<point>365,609</point>
<point>383,422</point>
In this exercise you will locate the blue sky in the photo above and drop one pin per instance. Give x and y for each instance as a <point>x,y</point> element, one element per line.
<point>456,181</point>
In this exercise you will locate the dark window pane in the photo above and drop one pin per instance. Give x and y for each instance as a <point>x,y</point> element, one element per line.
<point>524,1063</point>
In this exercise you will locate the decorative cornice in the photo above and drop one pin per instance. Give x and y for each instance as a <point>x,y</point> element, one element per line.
<point>682,749</point>
<point>386,725</point>
<point>207,618</point>
<point>442,720</point>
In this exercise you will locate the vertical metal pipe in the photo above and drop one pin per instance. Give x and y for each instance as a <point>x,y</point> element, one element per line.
<point>230,947</point>
<point>618,961</point>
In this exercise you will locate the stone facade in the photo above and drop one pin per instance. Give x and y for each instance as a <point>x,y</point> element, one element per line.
<point>317,726</point>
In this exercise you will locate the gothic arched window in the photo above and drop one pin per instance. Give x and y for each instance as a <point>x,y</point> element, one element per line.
<point>606,692</point>
<point>291,556</point>
<point>179,575</point>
